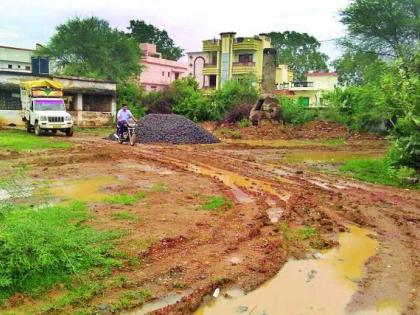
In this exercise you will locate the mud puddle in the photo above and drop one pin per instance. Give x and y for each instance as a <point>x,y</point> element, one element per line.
<point>234,180</point>
<point>313,286</point>
<point>333,157</point>
<point>279,143</point>
<point>90,189</point>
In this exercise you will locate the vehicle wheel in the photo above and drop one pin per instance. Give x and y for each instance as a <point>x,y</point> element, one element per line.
<point>28,126</point>
<point>38,130</point>
<point>133,139</point>
<point>69,132</point>
<point>120,140</point>
<point>54,131</point>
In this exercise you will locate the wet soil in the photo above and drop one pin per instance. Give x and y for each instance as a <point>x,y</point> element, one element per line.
<point>183,248</point>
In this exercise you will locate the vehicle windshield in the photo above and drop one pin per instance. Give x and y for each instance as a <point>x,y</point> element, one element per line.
<point>57,105</point>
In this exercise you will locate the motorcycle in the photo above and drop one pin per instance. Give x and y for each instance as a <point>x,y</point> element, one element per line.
<point>128,134</point>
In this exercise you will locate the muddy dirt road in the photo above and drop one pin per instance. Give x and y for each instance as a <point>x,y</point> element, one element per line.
<point>354,244</point>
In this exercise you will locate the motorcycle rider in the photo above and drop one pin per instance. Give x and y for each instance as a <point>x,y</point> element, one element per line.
<point>123,116</point>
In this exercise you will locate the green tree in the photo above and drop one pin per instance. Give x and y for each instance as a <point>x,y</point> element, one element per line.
<point>357,68</point>
<point>300,51</point>
<point>147,33</point>
<point>388,28</point>
<point>90,47</point>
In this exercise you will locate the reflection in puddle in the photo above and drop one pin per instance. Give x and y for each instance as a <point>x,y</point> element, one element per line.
<point>313,286</point>
<point>82,189</point>
<point>234,180</point>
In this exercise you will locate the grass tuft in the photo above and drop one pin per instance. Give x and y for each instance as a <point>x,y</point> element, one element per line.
<point>125,215</point>
<point>216,202</point>
<point>125,199</point>
<point>43,246</point>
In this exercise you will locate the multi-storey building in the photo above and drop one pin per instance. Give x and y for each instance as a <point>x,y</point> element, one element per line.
<point>229,57</point>
<point>158,73</point>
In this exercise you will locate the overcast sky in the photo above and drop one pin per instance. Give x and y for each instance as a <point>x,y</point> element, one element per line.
<point>188,22</point>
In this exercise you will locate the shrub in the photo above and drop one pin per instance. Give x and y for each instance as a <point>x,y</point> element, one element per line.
<point>42,246</point>
<point>130,94</point>
<point>238,92</point>
<point>294,113</point>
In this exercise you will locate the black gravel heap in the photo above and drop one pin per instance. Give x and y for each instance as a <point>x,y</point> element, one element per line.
<point>169,128</point>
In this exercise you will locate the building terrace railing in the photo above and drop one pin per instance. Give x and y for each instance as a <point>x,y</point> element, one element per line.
<point>302,84</point>
<point>243,64</point>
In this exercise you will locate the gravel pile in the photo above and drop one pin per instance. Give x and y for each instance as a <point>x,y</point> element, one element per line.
<point>169,128</point>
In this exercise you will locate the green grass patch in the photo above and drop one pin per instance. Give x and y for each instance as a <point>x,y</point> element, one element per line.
<point>125,215</point>
<point>297,234</point>
<point>378,171</point>
<point>216,202</point>
<point>126,199</point>
<point>18,140</point>
<point>159,187</point>
<point>43,246</point>
<point>335,142</point>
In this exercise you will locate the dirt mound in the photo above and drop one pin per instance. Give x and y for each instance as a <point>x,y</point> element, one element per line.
<point>169,128</point>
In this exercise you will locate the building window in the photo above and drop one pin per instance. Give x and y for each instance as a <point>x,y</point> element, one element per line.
<point>18,66</point>
<point>245,58</point>
<point>9,66</point>
<point>27,68</point>
<point>169,74</point>
<point>176,75</point>
<point>163,73</point>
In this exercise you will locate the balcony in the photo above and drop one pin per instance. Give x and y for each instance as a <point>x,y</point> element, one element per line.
<point>243,68</point>
<point>246,43</point>
<point>211,45</point>
<point>210,68</point>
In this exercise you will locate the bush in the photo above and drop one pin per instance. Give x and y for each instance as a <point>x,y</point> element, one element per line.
<point>130,94</point>
<point>235,97</point>
<point>294,113</point>
<point>42,246</point>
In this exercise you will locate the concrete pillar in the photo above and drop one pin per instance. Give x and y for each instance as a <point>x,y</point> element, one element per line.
<point>114,107</point>
<point>79,108</point>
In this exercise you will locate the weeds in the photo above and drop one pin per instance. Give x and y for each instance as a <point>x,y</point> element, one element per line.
<point>18,140</point>
<point>42,246</point>
<point>125,199</point>
<point>297,234</point>
<point>159,187</point>
<point>216,202</point>
<point>379,171</point>
<point>125,215</point>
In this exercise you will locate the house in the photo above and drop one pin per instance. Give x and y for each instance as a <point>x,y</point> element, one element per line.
<point>16,59</point>
<point>232,57</point>
<point>92,103</point>
<point>158,73</point>
<point>310,91</point>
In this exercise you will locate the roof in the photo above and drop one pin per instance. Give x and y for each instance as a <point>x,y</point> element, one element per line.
<point>321,73</point>
<point>16,48</point>
<point>41,83</point>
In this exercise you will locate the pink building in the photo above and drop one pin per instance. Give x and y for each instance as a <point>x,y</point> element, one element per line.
<point>158,73</point>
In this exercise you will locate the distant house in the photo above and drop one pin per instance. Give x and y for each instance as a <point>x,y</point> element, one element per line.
<point>158,73</point>
<point>232,57</point>
<point>90,102</point>
<point>310,91</point>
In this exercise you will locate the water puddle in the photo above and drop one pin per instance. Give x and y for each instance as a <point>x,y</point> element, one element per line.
<point>90,189</point>
<point>275,143</point>
<point>153,306</point>
<point>234,180</point>
<point>314,156</point>
<point>312,286</point>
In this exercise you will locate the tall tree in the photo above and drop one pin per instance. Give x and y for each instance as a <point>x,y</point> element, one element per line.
<point>300,51</point>
<point>388,28</point>
<point>147,33</point>
<point>90,47</point>
<point>358,68</point>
